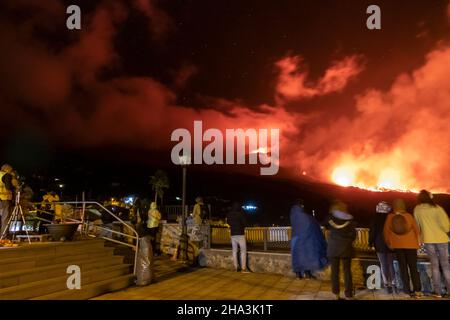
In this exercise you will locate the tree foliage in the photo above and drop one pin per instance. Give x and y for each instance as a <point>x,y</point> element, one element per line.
<point>159,181</point>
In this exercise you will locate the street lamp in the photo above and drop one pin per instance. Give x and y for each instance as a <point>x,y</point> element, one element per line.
<point>61,187</point>
<point>184,162</point>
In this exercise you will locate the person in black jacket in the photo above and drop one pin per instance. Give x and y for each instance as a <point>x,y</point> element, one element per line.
<point>236,220</point>
<point>342,233</point>
<point>376,239</point>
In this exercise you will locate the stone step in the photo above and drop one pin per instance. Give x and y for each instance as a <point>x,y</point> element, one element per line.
<point>22,276</point>
<point>48,286</point>
<point>50,258</point>
<point>91,290</point>
<point>47,248</point>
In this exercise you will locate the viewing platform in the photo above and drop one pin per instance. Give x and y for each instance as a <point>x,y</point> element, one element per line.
<point>173,282</point>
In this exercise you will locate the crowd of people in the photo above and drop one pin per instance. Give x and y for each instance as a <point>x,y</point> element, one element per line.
<point>10,187</point>
<point>397,233</point>
<point>394,233</point>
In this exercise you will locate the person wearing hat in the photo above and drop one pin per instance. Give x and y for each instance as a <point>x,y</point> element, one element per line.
<point>197,212</point>
<point>154,218</point>
<point>433,223</point>
<point>384,254</point>
<point>48,210</point>
<point>340,246</point>
<point>6,195</point>
<point>401,234</point>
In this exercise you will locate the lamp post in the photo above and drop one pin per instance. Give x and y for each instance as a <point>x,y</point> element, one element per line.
<point>184,161</point>
<point>61,187</point>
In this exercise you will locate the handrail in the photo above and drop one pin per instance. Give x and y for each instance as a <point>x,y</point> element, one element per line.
<point>278,236</point>
<point>120,220</point>
<point>86,222</point>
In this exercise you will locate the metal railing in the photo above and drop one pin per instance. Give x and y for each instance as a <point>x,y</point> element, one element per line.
<point>172,212</point>
<point>87,227</point>
<point>278,237</point>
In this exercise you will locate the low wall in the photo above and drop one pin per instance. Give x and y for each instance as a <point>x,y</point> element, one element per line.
<point>170,237</point>
<point>280,263</point>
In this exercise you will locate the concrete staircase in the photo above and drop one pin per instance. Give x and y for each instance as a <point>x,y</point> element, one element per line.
<point>39,270</point>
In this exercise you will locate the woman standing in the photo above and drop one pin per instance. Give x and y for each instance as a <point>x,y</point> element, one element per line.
<point>384,254</point>
<point>308,246</point>
<point>433,223</point>
<point>340,247</point>
<point>401,234</point>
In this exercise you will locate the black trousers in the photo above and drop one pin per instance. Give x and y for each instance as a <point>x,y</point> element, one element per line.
<point>153,234</point>
<point>407,263</point>
<point>348,282</point>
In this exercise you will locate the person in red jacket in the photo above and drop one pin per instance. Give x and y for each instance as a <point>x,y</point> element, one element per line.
<point>401,234</point>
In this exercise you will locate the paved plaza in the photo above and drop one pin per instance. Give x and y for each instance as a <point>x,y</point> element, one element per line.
<point>175,282</point>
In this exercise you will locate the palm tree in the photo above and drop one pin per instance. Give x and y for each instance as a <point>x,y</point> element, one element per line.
<point>159,182</point>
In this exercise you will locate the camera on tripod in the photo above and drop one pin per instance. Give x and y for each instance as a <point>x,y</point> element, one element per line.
<point>17,214</point>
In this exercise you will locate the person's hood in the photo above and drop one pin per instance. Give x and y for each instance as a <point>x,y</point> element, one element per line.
<point>153,206</point>
<point>296,209</point>
<point>342,215</point>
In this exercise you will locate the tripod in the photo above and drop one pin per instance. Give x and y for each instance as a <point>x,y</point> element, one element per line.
<point>16,215</point>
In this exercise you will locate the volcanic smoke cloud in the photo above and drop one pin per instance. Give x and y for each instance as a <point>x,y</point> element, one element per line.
<point>396,138</point>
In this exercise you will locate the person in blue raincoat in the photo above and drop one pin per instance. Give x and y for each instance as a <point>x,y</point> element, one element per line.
<point>308,245</point>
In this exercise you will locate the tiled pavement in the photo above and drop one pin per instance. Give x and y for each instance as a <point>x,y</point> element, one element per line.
<point>173,282</point>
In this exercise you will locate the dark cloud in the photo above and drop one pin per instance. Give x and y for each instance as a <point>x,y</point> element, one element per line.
<point>79,94</point>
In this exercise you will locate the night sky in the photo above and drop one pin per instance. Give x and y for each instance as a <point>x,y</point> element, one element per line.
<point>360,107</point>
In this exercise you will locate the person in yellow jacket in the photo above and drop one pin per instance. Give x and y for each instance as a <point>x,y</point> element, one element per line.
<point>197,212</point>
<point>51,209</point>
<point>434,227</point>
<point>154,217</point>
<point>6,195</point>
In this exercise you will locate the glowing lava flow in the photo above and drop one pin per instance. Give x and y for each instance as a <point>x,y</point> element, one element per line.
<point>387,179</point>
<point>343,176</point>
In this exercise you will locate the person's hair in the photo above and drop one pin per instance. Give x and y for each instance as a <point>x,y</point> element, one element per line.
<point>399,205</point>
<point>338,205</point>
<point>199,199</point>
<point>298,202</point>
<point>425,197</point>
<point>6,168</point>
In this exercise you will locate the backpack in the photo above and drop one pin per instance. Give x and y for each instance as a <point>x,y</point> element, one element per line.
<point>399,224</point>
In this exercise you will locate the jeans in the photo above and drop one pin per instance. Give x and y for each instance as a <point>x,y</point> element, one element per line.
<point>387,268</point>
<point>335,285</point>
<point>438,254</point>
<point>407,261</point>
<point>5,212</point>
<point>235,242</point>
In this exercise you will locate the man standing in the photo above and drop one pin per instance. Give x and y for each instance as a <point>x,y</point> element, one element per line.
<point>236,220</point>
<point>434,224</point>
<point>154,218</point>
<point>6,194</point>
<point>197,212</point>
